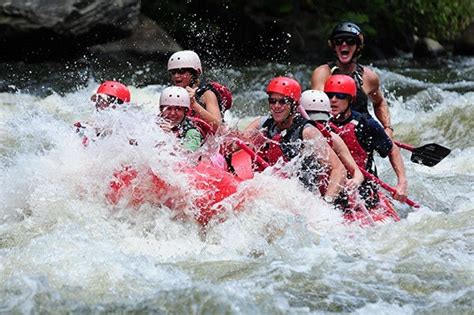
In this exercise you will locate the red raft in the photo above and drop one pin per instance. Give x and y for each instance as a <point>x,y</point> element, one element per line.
<point>384,212</point>
<point>211,183</point>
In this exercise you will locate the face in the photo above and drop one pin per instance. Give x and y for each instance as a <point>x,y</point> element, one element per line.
<point>345,48</point>
<point>102,101</point>
<point>339,103</point>
<point>181,77</point>
<point>173,114</point>
<point>280,107</point>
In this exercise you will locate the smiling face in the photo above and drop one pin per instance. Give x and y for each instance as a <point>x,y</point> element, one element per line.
<point>173,114</point>
<point>345,48</point>
<point>182,77</point>
<point>280,107</point>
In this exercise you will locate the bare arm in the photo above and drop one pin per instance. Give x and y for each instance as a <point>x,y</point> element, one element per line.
<point>372,88</point>
<point>253,125</point>
<point>399,168</point>
<point>211,114</point>
<point>326,156</point>
<point>319,77</point>
<point>346,158</point>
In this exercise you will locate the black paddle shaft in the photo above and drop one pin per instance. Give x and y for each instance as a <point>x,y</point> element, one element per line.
<point>429,154</point>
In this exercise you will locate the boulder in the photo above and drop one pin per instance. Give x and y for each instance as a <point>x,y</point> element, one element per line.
<point>41,28</point>
<point>147,40</point>
<point>465,44</point>
<point>427,48</point>
<point>67,17</point>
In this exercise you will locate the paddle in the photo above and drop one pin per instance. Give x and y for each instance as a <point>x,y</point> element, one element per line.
<point>241,161</point>
<point>429,154</point>
<point>387,187</point>
<point>252,154</point>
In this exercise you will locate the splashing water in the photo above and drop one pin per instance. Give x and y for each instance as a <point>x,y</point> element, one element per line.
<point>64,248</point>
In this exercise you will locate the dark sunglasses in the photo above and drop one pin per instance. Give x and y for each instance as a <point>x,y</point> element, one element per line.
<point>351,41</point>
<point>101,97</point>
<point>178,71</point>
<point>281,101</point>
<point>339,96</point>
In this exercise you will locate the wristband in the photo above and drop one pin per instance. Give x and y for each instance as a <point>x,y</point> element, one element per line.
<point>388,127</point>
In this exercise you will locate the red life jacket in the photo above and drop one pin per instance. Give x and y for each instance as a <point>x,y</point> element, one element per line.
<point>189,123</point>
<point>203,127</point>
<point>286,144</point>
<point>222,92</point>
<point>348,134</point>
<point>272,152</point>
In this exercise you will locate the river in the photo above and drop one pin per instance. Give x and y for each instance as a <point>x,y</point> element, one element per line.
<point>63,249</point>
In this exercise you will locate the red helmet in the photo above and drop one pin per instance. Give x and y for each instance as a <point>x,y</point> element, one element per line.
<point>341,83</point>
<point>114,88</point>
<point>285,86</point>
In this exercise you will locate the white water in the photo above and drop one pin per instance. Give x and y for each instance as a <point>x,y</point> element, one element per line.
<point>64,249</point>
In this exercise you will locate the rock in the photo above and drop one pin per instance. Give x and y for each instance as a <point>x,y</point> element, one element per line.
<point>427,48</point>
<point>68,17</point>
<point>465,44</point>
<point>147,40</point>
<point>42,28</point>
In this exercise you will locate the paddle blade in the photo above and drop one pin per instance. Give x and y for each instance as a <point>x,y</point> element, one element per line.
<point>242,164</point>
<point>429,154</point>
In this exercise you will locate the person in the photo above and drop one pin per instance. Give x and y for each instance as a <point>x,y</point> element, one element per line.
<point>363,135</point>
<point>109,94</point>
<point>291,135</point>
<point>347,42</point>
<point>174,105</point>
<point>314,106</point>
<point>185,69</point>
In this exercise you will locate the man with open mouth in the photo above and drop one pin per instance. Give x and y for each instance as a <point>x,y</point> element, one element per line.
<point>347,42</point>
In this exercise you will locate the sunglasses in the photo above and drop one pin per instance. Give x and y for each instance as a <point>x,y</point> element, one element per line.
<point>101,97</point>
<point>281,101</point>
<point>339,96</point>
<point>178,71</point>
<point>351,41</point>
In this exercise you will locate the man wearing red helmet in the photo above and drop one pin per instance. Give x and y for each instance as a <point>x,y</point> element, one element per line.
<point>108,94</point>
<point>290,134</point>
<point>362,135</point>
<point>347,41</point>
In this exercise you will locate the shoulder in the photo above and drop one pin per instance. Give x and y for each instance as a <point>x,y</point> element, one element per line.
<point>371,79</point>
<point>209,93</point>
<point>311,132</point>
<point>319,76</point>
<point>366,120</point>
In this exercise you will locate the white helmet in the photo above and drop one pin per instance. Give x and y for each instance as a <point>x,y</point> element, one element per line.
<point>185,59</point>
<point>316,104</point>
<point>175,96</point>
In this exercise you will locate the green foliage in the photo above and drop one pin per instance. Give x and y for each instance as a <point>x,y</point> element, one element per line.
<point>441,19</point>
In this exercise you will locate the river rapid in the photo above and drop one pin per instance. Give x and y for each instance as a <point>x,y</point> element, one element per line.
<point>64,249</point>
